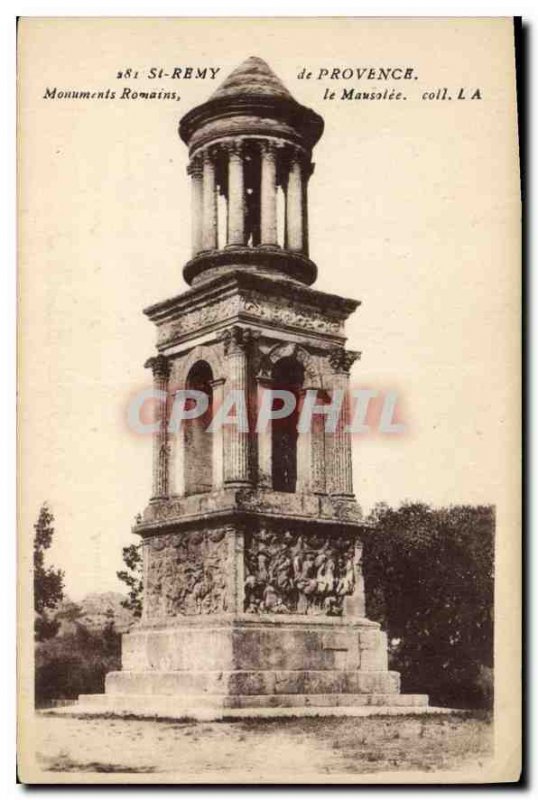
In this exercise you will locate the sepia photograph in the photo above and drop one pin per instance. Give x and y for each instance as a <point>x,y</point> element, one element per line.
<point>269,412</point>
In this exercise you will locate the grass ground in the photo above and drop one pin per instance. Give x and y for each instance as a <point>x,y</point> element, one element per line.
<point>277,750</point>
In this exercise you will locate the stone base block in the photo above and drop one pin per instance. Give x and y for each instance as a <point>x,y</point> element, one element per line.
<point>252,683</point>
<point>219,706</point>
<point>250,643</point>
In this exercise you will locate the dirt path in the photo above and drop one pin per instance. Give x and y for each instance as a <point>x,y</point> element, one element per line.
<point>261,750</point>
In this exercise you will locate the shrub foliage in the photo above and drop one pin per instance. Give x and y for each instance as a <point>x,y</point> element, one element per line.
<point>132,577</point>
<point>76,663</point>
<point>48,582</point>
<point>429,582</point>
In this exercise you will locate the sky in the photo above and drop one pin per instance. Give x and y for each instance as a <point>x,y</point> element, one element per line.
<point>413,209</point>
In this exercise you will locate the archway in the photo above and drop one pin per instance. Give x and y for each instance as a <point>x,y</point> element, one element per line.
<point>197,441</point>
<point>287,374</point>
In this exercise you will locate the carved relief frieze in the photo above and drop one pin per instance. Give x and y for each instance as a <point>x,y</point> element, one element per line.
<point>294,316</point>
<point>252,306</point>
<point>199,318</point>
<point>299,572</point>
<point>187,574</point>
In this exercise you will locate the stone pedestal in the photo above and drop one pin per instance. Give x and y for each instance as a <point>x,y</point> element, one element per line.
<point>250,664</point>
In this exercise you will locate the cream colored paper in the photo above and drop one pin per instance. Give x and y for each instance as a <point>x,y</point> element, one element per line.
<point>414,208</point>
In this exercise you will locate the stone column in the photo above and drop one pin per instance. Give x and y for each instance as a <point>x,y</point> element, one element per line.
<point>265,444</point>
<point>178,460</point>
<point>307,172</point>
<point>318,455</point>
<point>236,443</point>
<point>268,233</point>
<point>294,206</point>
<point>236,196</point>
<point>160,367</point>
<point>218,443</point>
<point>341,468</point>
<point>311,456</point>
<point>195,170</point>
<point>304,452</point>
<point>209,227</point>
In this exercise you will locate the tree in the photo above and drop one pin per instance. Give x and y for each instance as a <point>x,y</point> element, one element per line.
<point>111,638</point>
<point>75,663</point>
<point>48,582</point>
<point>132,576</point>
<point>429,581</point>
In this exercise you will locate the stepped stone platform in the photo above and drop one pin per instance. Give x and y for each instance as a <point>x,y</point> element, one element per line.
<point>246,667</point>
<point>242,706</point>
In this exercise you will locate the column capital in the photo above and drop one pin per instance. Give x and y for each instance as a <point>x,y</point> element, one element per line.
<point>159,365</point>
<point>297,155</point>
<point>218,149</point>
<point>270,147</point>
<point>208,154</point>
<point>342,360</point>
<point>237,340</point>
<point>234,147</point>
<point>195,168</point>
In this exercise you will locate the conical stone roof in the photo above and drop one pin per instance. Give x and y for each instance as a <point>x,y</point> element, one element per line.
<point>251,101</point>
<point>253,77</point>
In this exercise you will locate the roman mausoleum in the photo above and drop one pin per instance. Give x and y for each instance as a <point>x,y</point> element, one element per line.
<point>252,539</point>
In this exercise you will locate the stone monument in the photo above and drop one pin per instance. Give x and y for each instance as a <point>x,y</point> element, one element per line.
<point>253,592</point>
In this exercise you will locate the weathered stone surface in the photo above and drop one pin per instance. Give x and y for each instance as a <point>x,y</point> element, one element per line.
<point>179,511</point>
<point>188,573</point>
<point>261,682</point>
<point>218,706</point>
<point>242,298</point>
<point>240,662</point>
<point>272,567</point>
<point>373,647</point>
<point>257,643</point>
<point>301,572</point>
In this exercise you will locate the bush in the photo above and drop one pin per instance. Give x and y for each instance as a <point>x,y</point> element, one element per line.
<point>429,582</point>
<point>75,663</point>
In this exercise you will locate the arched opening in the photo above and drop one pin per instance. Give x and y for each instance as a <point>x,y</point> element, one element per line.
<point>287,374</point>
<point>197,441</point>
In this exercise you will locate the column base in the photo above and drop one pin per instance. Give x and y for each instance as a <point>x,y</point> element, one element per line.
<point>208,264</point>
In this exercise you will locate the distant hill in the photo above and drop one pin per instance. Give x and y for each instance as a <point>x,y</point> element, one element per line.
<point>94,611</point>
